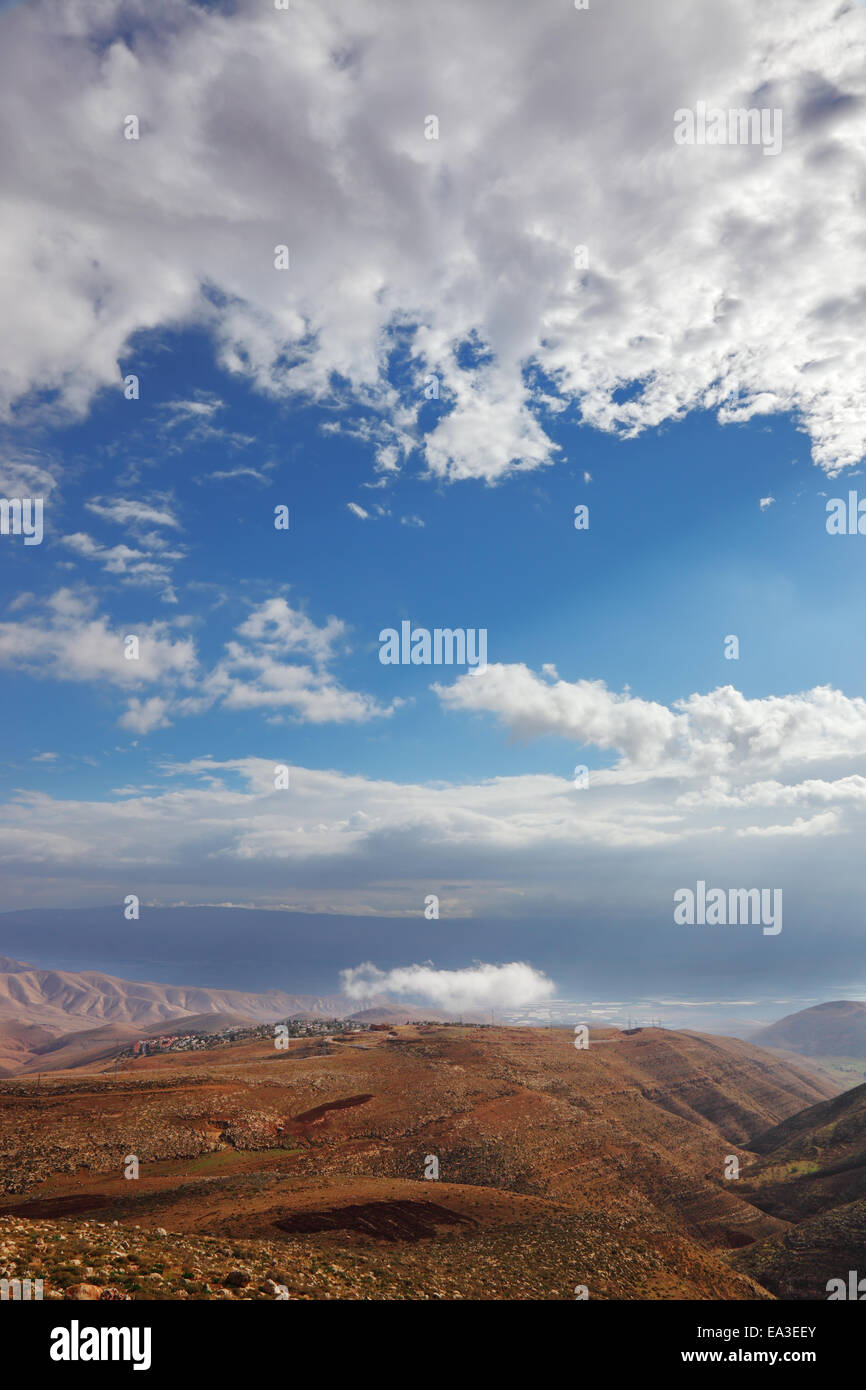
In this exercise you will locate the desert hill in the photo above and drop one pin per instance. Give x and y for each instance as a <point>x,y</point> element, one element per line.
<point>835,1029</point>
<point>86,1047</point>
<point>389,1013</point>
<point>556,1166</point>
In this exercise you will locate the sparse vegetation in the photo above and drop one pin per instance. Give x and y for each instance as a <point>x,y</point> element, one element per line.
<point>556,1168</point>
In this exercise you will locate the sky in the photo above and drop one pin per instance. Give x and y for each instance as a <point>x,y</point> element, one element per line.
<point>238,275</point>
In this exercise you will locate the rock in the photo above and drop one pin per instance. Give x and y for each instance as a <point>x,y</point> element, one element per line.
<point>236,1279</point>
<point>160,1231</point>
<point>110,1293</point>
<point>83,1291</point>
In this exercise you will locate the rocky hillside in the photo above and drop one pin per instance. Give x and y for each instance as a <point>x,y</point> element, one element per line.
<point>811,1172</point>
<point>482,1162</point>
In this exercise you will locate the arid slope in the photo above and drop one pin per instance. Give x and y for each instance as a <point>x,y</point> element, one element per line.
<point>556,1167</point>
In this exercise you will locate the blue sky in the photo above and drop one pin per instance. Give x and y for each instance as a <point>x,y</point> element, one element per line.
<point>668,334</point>
<point>679,553</point>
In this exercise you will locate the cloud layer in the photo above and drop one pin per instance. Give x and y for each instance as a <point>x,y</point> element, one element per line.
<point>712,277</point>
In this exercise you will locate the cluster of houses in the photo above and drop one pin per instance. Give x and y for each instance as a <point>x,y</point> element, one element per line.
<point>196,1041</point>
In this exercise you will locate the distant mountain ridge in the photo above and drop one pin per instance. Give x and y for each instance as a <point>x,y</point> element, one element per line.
<point>43,1011</point>
<point>52,996</point>
<point>40,1008</point>
<point>835,1029</point>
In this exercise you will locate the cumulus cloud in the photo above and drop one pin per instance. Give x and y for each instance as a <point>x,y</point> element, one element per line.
<point>255,674</point>
<point>478,987</point>
<point>67,640</point>
<point>705,282</point>
<point>701,735</point>
<point>142,716</point>
<point>276,623</point>
<point>257,679</point>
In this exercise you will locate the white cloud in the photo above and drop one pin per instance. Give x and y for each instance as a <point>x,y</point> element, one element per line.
<point>69,641</point>
<point>275,624</point>
<point>702,735</point>
<point>479,987</point>
<point>251,679</point>
<point>24,475</point>
<point>358,511</point>
<point>203,408</point>
<point>127,511</point>
<point>708,283</point>
<point>144,715</point>
<point>827,823</point>
<point>136,567</point>
<point>254,673</point>
<point>147,565</point>
<point>225,474</point>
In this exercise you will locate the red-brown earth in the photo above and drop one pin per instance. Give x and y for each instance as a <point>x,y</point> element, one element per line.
<point>558,1167</point>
